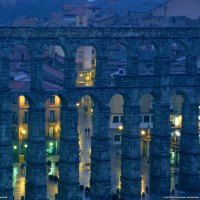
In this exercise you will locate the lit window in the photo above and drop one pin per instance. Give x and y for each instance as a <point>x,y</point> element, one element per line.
<point>51,132</point>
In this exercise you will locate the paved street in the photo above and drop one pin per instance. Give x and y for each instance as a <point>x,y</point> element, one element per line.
<point>85,150</point>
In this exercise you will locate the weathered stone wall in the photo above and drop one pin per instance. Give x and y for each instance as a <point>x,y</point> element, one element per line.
<point>162,84</point>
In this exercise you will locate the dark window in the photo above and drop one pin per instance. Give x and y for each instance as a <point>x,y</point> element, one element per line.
<point>146,118</point>
<point>14,132</point>
<point>22,56</point>
<point>117,138</point>
<point>14,118</point>
<point>52,117</point>
<point>15,100</point>
<point>25,117</point>
<point>52,99</point>
<point>25,101</point>
<point>115,119</point>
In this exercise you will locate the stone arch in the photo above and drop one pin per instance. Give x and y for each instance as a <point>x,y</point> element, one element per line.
<point>85,65</point>
<point>147,54</point>
<point>177,53</point>
<point>117,58</point>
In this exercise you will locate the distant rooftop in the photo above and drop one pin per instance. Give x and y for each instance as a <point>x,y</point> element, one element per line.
<point>131,5</point>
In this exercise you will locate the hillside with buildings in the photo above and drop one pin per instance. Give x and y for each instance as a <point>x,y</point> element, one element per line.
<point>100,13</point>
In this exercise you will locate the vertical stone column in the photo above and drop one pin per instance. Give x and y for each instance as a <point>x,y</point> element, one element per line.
<point>163,65</point>
<point>189,148</point>
<point>102,72</point>
<point>68,187</point>
<point>4,73</point>
<point>100,180</point>
<point>131,156</point>
<point>36,73</point>
<point>6,150</point>
<point>70,70</point>
<point>191,64</point>
<point>132,65</point>
<point>160,173</point>
<point>36,188</point>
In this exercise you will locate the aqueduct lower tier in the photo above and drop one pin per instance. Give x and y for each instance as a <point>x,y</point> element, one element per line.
<point>162,83</point>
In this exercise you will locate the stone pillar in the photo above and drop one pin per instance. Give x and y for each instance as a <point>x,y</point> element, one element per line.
<point>70,70</point>
<point>102,72</point>
<point>4,73</point>
<point>191,64</point>
<point>100,180</point>
<point>163,66</point>
<point>132,65</point>
<point>189,148</point>
<point>36,188</point>
<point>160,173</point>
<point>131,155</point>
<point>68,187</point>
<point>6,150</point>
<point>36,73</point>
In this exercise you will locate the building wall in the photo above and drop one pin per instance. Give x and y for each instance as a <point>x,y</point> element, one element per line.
<point>81,20</point>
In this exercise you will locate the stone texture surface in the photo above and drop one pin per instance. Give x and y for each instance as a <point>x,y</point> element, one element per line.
<point>186,83</point>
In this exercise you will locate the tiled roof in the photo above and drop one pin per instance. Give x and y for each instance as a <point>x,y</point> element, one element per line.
<point>53,71</point>
<point>76,11</point>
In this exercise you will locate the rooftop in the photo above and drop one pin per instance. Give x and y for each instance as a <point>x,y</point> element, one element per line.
<point>131,5</point>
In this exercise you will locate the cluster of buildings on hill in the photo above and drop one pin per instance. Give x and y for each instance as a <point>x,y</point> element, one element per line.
<point>159,13</point>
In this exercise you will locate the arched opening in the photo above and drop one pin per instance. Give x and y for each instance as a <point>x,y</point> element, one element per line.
<point>178,58</point>
<point>52,133</point>
<point>52,125</point>
<point>20,64</point>
<point>85,131</point>
<point>147,54</point>
<point>176,129</point>
<point>20,106</point>
<point>146,125</point>
<point>116,131</point>
<point>55,56</point>
<point>117,59</point>
<point>53,66</point>
<point>86,66</point>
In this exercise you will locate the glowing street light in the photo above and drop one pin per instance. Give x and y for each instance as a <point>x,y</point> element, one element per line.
<point>51,144</point>
<point>78,104</point>
<point>143,132</point>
